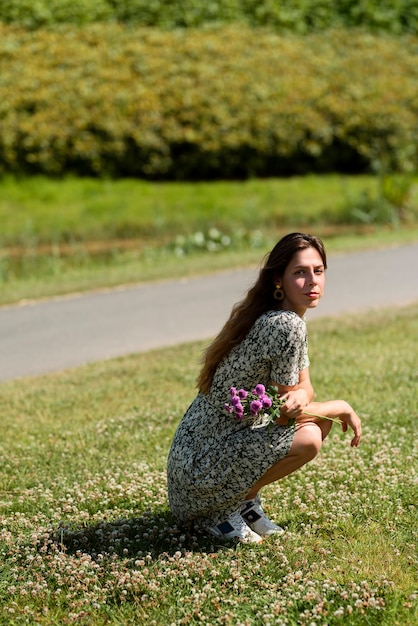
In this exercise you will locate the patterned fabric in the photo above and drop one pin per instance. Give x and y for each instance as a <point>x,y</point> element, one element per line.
<point>215,459</point>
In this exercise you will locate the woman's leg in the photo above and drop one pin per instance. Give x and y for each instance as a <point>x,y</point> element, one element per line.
<point>306,444</point>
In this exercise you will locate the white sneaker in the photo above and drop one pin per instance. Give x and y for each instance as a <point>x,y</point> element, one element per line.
<point>234,526</point>
<point>257,520</point>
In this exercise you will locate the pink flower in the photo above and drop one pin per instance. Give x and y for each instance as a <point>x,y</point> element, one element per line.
<point>254,403</point>
<point>239,410</point>
<point>266,402</point>
<point>255,407</point>
<point>259,390</point>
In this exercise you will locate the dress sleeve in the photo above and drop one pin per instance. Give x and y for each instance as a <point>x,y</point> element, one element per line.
<point>288,348</point>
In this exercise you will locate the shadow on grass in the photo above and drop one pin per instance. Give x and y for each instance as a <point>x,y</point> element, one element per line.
<point>151,534</point>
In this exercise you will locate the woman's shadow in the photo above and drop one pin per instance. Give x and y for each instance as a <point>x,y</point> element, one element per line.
<point>150,534</point>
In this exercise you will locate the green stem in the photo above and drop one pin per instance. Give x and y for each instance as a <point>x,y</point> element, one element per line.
<point>324,417</point>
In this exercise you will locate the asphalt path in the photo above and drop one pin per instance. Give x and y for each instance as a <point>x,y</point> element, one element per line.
<point>52,335</point>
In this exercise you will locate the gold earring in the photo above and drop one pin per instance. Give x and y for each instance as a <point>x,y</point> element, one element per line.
<point>278,293</point>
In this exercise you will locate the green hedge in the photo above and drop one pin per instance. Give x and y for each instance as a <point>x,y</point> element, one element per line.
<point>299,16</point>
<point>230,102</point>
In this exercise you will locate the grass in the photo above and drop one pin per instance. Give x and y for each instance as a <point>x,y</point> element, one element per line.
<point>63,236</point>
<point>42,210</point>
<point>86,535</point>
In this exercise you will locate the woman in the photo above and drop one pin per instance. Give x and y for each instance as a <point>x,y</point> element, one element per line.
<point>218,464</point>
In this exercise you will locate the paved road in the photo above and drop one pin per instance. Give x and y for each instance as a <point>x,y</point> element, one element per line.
<point>52,335</point>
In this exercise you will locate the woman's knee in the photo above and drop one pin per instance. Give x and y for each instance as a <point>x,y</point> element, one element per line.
<point>307,441</point>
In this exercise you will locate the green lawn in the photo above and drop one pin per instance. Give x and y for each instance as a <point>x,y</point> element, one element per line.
<point>63,236</point>
<point>86,536</point>
<point>42,210</point>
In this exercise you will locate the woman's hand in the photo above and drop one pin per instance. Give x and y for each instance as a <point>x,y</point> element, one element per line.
<point>295,402</point>
<point>352,419</point>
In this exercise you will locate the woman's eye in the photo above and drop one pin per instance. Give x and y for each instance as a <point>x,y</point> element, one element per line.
<point>318,270</point>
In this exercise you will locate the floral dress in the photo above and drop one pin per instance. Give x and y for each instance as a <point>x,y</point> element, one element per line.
<point>214,459</point>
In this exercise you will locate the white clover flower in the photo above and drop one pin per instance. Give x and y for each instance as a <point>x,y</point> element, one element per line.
<point>199,238</point>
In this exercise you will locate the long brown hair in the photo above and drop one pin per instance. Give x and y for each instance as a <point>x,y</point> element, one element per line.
<point>258,300</point>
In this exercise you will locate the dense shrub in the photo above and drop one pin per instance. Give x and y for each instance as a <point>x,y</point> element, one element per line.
<point>36,13</point>
<point>299,16</point>
<point>229,102</point>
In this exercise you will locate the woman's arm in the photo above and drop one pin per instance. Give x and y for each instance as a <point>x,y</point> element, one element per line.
<point>299,403</point>
<point>316,412</point>
<point>337,409</point>
<point>298,396</point>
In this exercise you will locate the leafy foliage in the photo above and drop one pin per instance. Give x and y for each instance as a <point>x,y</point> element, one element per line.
<point>298,16</point>
<point>107,100</point>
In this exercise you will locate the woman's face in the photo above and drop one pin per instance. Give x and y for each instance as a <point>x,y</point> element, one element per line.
<point>303,281</point>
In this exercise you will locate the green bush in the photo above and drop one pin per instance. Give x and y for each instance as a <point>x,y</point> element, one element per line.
<point>226,102</point>
<point>38,13</point>
<point>173,13</point>
<point>298,16</point>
